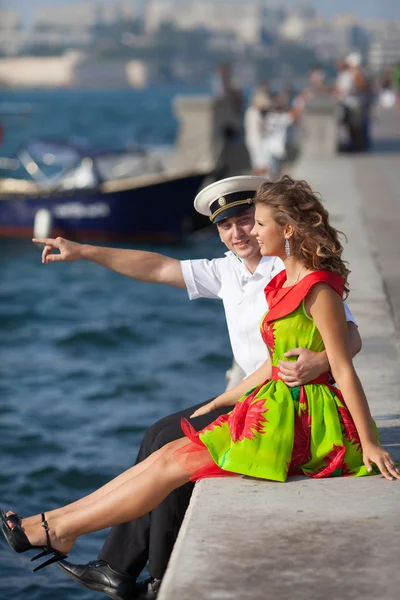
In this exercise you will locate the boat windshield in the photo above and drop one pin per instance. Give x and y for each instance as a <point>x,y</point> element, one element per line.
<point>44,159</point>
<point>59,165</point>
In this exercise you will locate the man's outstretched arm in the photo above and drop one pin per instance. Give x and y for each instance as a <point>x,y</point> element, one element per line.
<point>137,264</point>
<point>309,364</point>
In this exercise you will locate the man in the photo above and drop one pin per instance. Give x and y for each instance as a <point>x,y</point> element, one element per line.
<point>357,101</point>
<point>229,103</point>
<point>238,280</point>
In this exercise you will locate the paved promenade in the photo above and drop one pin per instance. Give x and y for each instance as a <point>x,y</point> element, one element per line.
<point>377,177</point>
<point>319,539</point>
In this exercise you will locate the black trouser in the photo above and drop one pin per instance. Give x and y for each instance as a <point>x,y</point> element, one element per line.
<point>151,537</point>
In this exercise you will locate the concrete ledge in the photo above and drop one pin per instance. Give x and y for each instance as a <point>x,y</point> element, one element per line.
<point>309,539</point>
<point>306,539</point>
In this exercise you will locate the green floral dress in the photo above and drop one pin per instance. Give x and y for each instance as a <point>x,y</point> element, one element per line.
<point>274,430</point>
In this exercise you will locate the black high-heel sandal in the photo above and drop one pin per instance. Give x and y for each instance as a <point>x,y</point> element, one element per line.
<point>19,542</point>
<point>4,516</point>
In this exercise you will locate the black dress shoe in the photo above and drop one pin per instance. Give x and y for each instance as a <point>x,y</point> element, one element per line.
<point>147,589</point>
<point>99,576</point>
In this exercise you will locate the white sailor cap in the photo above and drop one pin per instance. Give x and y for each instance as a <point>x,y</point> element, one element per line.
<point>227,197</point>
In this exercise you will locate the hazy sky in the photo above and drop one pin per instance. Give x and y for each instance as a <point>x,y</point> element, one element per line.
<point>363,8</point>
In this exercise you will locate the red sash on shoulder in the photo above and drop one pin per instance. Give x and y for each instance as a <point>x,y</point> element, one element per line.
<point>282,301</point>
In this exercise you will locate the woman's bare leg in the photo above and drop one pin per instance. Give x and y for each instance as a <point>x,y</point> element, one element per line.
<point>131,499</point>
<point>96,495</point>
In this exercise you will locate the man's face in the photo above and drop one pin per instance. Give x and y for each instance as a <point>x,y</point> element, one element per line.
<point>234,232</point>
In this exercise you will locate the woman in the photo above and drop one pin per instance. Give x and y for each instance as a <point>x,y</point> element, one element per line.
<point>273,431</point>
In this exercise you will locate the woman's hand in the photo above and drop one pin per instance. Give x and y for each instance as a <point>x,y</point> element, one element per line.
<point>203,410</point>
<point>372,453</point>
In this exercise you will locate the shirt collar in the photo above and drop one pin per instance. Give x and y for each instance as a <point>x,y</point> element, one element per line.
<point>243,270</point>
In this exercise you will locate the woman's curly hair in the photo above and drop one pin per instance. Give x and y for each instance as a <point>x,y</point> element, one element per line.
<point>314,241</point>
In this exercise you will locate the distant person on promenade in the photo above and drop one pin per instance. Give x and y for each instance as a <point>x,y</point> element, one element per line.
<point>395,79</point>
<point>272,430</point>
<point>229,103</point>
<point>316,81</point>
<point>238,280</point>
<point>255,129</point>
<point>342,90</point>
<point>387,93</point>
<point>268,122</point>
<point>354,91</point>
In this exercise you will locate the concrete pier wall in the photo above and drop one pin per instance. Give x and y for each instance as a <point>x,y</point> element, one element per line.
<point>313,539</point>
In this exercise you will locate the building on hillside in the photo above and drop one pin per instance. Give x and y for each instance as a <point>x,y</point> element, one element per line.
<point>248,21</point>
<point>385,46</point>
<point>10,30</point>
<point>383,53</point>
<point>10,20</point>
<point>329,39</point>
<point>82,16</point>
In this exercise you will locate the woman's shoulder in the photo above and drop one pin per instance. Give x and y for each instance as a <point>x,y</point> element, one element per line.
<point>326,285</point>
<point>325,280</point>
<point>320,287</point>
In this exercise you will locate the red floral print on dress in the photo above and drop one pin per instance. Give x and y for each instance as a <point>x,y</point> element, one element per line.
<point>190,432</point>
<point>346,472</point>
<point>217,423</point>
<point>349,426</point>
<point>302,427</point>
<point>246,419</point>
<point>333,461</point>
<point>268,335</point>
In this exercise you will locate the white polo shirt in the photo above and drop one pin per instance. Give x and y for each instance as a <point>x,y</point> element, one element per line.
<point>242,293</point>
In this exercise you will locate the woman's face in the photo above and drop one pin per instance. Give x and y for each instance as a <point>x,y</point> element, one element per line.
<point>269,234</point>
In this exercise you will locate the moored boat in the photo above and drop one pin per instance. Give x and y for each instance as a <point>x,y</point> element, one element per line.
<point>98,196</point>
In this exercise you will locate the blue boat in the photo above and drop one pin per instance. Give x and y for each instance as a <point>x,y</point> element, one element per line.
<point>55,188</point>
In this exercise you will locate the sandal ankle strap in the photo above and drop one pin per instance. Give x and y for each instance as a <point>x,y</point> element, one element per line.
<point>45,526</point>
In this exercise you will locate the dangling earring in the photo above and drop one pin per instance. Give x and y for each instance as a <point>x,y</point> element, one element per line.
<point>287,248</point>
